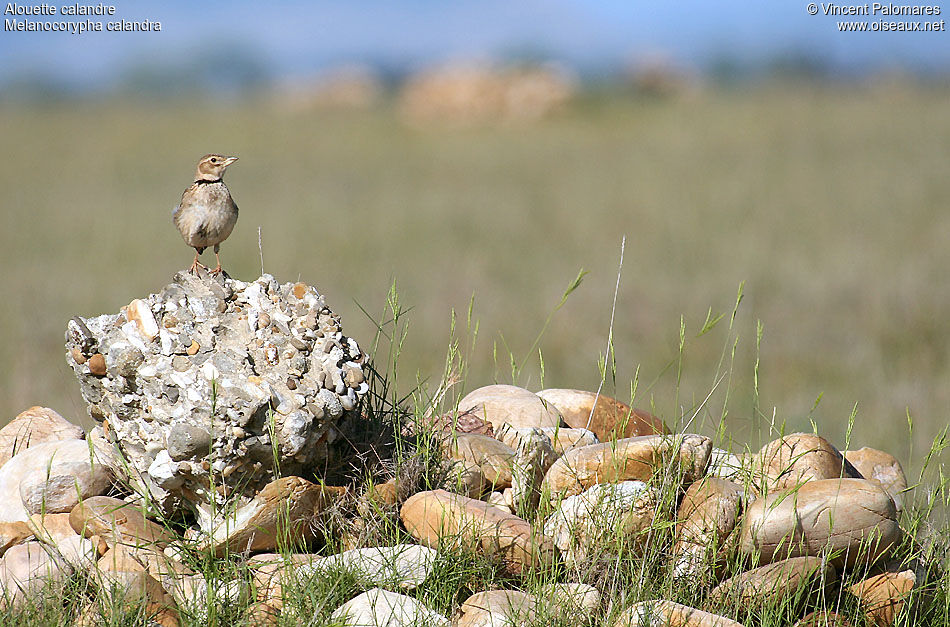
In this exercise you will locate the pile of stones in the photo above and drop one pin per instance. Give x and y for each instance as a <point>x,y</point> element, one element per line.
<point>217,403</point>
<point>545,491</point>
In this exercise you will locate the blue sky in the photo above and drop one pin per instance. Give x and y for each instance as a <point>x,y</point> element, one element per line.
<point>299,37</point>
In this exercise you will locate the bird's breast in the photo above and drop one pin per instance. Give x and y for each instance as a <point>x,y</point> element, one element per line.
<point>206,215</point>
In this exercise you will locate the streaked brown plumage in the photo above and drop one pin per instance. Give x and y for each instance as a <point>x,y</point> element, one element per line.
<point>207,213</point>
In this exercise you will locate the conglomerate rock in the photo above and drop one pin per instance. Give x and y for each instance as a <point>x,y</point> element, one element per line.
<point>211,385</point>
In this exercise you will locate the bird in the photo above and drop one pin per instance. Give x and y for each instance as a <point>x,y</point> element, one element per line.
<point>206,214</point>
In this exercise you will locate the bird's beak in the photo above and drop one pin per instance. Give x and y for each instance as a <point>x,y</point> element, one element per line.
<point>228,161</point>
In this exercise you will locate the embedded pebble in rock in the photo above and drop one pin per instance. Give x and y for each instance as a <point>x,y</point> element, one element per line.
<point>668,613</point>
<point>28,570</point>
<point>403,566</point>
<point>797,458</point>
<point>497,608</point>
<point>707,516</point>
<point>776,583</point>
<point>853,519</point>
<point>436,516</point>
<point>881,468</point>
<point>282,511</point>
<point>53,476</point>
<point>35,426</point>
<point>118,522</point>
<point>518,407</point>
<point>492,457</point>
<point>882,597</point>
<point>186,381</point>
<point>381,608</point>
<point>603,517</point>
<point>628,459</point>
<point>610,419</point>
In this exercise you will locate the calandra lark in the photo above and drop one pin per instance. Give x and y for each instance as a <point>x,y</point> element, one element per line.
<point>207,213</point>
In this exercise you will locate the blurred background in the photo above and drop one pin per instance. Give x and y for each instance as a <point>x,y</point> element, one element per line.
<point>487,152</point>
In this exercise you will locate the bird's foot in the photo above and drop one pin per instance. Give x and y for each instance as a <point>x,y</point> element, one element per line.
<point>197,267</point>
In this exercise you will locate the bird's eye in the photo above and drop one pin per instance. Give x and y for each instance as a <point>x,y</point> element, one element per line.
<point>214,160</point>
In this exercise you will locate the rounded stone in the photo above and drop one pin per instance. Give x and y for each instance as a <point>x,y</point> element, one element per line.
<point>606,417</point>
<point>707,516</point>
<point>500,404</point>
<point>880,467</point>
<point>59,473</point>
<point>850,520</point>
<point>794,459</point>
<point>35,425</point>
<point>630,459</point>
<point>493,458</point>
<point>436,516</point>
<point>662,612</point>
<point>776,583</point>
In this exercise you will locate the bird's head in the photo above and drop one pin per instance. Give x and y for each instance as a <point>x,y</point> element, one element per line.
<point>211,167</point>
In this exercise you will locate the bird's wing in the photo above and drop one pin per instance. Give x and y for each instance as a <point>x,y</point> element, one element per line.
<point>186,200</point>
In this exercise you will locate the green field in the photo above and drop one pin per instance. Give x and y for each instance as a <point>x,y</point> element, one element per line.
<point>829,203</point>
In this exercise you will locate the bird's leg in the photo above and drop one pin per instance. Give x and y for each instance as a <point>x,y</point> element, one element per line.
<point>217,248</point>
<point>196,264</point>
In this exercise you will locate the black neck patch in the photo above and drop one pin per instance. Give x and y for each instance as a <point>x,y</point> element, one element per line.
<point>206,182</point>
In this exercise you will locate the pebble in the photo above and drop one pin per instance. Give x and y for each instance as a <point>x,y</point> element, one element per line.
<point>499,404</point>
<point>97,365</point>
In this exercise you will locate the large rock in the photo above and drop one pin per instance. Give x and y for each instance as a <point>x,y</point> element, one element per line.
<point>35,426</point>
<point>500,404</point>
<point>438,516</point>
<point>51,477</point>
<point>630,459</point>
<point>218,382</point>
<point>608,418</point>
<point>851,520</point>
